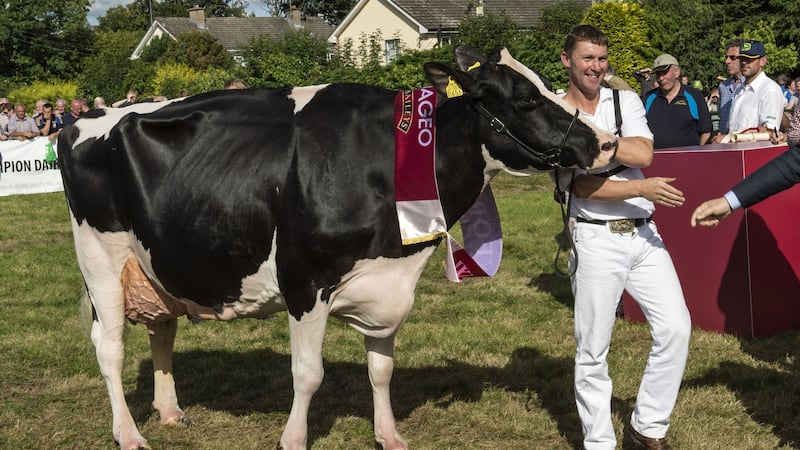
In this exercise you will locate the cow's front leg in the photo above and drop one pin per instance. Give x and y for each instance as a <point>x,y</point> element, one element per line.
<point>165,400</point>
<point>380,362</point>
<point>306,337</point>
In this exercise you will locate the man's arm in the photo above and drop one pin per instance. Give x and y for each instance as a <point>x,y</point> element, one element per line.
<point>777,175</point>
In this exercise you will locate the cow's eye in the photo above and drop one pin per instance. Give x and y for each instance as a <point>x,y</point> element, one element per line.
<point>527,100</point>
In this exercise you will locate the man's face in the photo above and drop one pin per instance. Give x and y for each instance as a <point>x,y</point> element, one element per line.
<point>61,106</point>
<point>131,97</point>
<point>586,66</point>
<point>47,113</point>
<point>20,111</point>
<point>667,79</point>
<point>75,107</point>
<point>731,62</point>
<point>750,67</point>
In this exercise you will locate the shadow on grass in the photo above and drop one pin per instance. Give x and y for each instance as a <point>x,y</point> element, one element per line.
<point>770,391</point>
<point>260,382</point>
<point>770,396</point>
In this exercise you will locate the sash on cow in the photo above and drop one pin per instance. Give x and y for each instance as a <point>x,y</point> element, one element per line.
<point>419,210</point>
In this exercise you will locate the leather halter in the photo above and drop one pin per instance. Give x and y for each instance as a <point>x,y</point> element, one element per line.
<point>551,157</point>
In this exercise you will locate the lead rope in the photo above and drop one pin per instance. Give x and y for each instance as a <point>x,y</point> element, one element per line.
<point>566,231</point>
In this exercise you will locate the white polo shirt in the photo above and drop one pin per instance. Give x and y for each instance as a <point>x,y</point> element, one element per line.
<point>759,102</point>
<point>634,123</point>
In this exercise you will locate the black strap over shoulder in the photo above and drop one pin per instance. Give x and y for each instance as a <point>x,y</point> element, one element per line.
<point>617,112</point>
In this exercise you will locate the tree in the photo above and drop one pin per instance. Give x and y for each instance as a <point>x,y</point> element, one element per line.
<point>136,15</point>
<point>333,11</point>
<point>40,40</point>
<point>197,49</point>
<point>686,29</point>
<point>627,30</point>
<point>110,63</point>
<point>540,49</point>
<point>296,58</point>
<point>485,32</point>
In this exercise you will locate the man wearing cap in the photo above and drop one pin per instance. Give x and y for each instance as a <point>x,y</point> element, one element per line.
<point>677,113</point>
<point>759,104</point>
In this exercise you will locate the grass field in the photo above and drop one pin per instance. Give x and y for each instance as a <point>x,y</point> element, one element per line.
<point>486,364</point>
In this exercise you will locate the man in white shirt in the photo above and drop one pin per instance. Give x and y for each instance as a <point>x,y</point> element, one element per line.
<point>617,247</point>
<point>759,104</point>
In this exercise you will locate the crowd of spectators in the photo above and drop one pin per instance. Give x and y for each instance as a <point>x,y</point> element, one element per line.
<point>48,119</point>
<point>746,101</point>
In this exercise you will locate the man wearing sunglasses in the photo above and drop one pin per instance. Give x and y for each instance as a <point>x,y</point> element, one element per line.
<point>729,87</point>
<point>759,103</point>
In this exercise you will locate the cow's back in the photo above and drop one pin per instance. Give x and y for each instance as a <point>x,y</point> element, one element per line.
<point>203,185</point>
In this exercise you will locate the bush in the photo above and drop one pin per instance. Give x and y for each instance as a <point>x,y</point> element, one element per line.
<point>49,91</point>
<point>170,79</point>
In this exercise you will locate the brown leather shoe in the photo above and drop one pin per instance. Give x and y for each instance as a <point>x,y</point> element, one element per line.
<point>650,443</point>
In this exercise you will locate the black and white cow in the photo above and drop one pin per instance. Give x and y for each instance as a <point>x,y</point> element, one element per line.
<point>239,204</point>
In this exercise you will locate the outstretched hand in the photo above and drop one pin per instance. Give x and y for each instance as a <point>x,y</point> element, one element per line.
<point>711,212</point>
<point>659,190</point>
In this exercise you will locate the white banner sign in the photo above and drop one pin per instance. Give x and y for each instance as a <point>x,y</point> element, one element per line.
<point>24,169</point>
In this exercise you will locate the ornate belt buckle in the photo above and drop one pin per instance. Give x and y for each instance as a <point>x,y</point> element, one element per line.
<point>622,226</point>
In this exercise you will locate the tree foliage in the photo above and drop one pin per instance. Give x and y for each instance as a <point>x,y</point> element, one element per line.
<point>625,26</point>
<point>296,58</point>
<point>135,16</point>
<point>197,49</point>
<point>41,40</point>
<point>485,32</point>
<point>103,71</point>
<point>540,48</point>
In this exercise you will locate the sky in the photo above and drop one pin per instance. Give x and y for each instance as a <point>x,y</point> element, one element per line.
<point>99,8</point>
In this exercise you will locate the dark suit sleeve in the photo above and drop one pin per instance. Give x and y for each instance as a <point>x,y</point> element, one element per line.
<point>775,176</point>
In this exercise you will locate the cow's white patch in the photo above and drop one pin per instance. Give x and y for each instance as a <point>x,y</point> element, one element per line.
<point>495,166</point>
<point>376,296</point>
<point>101,126</point>
<point>259,295</point>
<point>302,95</point>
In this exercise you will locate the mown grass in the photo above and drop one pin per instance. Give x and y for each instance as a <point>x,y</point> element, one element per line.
<point>486,364</point>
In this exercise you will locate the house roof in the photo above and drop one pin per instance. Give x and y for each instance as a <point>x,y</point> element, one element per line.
<point>234,32</point>
<point>433,15</point>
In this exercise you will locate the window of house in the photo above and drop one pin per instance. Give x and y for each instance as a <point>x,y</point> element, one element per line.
<point>392,47</point>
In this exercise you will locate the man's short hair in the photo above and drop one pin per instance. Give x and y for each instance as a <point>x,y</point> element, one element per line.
<point>235,83</point>
<point>735,42</point>
<point>583,33</point>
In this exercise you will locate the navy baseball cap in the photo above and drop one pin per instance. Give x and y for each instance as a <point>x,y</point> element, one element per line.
<point>752,49</point>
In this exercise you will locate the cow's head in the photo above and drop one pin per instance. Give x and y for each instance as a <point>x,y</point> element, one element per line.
<point>526,126</point>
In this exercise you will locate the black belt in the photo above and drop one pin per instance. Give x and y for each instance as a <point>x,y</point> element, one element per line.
<point>618,225</point>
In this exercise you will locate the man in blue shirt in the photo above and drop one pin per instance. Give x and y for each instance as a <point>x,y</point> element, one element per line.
<point>676,113</point>
<point>729,87</point>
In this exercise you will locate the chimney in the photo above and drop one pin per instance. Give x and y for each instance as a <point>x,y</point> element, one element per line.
<point>294,15</point>
<point>198,16</point>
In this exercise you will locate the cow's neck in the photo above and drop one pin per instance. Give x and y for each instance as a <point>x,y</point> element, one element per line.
<point>459,162</point>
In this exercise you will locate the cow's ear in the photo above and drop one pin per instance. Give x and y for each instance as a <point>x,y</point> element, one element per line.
<point>448,81</point>
<point>495,54</point>
<point>467,57</point>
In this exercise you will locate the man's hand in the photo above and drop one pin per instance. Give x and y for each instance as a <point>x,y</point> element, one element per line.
<point>659,190</point>
<point>711,212</point>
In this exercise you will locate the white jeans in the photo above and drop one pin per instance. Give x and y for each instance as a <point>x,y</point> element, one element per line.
<point>638,263</point>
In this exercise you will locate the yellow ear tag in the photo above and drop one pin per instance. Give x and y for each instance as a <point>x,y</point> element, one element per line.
<point>453,89</point>
<point>476,65</point>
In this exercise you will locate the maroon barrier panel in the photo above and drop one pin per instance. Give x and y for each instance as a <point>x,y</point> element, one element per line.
<point>741,277</point>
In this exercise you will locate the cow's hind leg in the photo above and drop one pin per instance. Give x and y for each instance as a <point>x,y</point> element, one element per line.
<point>306,336</point>
<point>165,400</point>
<point>101,257</point>
<point>380,362</point>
